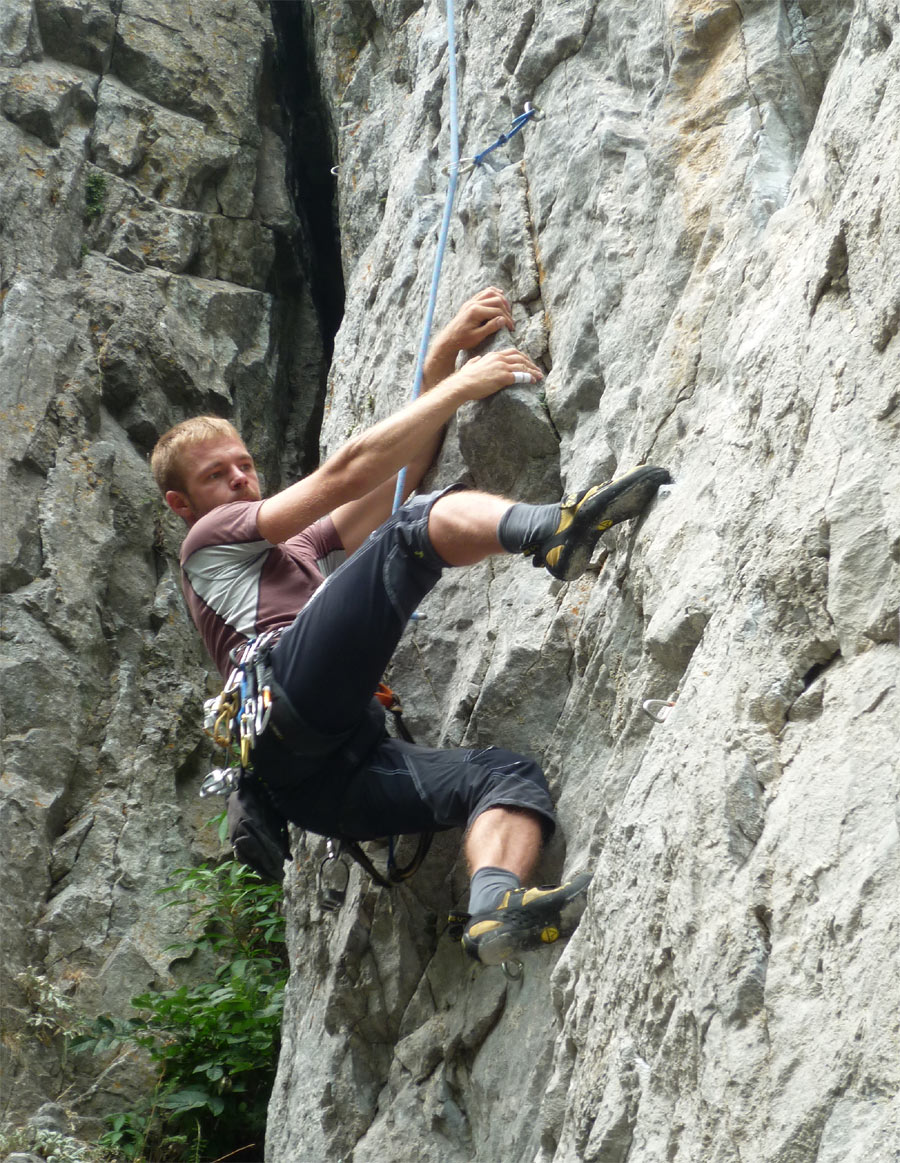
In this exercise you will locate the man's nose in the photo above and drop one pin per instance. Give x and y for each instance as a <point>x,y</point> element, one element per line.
<point>238,478</point>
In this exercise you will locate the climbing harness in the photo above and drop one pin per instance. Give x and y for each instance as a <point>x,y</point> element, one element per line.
<point>235,719</point>
<point>331,894</point>
<point>659,709</point>
<point>334,871</point>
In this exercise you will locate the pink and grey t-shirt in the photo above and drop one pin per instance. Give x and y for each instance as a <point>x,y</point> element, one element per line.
<point>238,585</point>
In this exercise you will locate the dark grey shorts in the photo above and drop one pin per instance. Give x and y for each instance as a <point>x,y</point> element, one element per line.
<point>408,788</point>
<point>330,660</point>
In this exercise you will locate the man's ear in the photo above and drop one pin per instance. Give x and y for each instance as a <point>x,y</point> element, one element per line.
<point>180,505</point>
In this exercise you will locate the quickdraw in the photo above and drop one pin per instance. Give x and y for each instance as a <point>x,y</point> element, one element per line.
<point>237,716</point>
<point>529,113</point>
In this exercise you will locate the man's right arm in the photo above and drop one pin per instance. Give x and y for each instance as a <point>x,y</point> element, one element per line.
<point>365,461</point>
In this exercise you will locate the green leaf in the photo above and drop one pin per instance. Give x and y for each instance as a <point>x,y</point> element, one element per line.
<point>184,1100</point>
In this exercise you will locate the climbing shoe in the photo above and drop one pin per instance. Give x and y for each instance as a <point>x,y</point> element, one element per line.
<point>526,918</point>
<point>585,515</point>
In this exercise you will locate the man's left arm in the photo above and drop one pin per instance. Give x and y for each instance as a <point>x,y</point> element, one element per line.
<point>479,317</point>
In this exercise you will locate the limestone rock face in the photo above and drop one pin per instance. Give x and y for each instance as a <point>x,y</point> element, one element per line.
<point>700,243</point>
<point>145,226</point>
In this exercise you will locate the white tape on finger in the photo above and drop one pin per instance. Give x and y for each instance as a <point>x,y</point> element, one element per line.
<point>521,378</point>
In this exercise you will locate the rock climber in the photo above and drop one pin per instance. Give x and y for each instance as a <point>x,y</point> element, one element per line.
<point>326,563</point>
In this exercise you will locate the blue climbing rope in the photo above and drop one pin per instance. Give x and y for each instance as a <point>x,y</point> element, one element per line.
<point>445,228</point>
<point>453,169</point>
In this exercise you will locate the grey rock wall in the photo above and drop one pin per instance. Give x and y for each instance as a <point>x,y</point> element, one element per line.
<point>150,268</point>
<point>700,240</point>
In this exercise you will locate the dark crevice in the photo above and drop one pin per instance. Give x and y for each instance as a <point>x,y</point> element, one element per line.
<point>763,917</point>
<point>818,669</point>
<point>835,277</point>
<point>310,158</point>
<point>308,268</point>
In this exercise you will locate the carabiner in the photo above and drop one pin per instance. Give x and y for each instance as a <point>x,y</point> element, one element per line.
<point>332,896</point>
<point>224,727</point>
<point>263,710</point>
<point>659,709</point>
<point>221,781</point>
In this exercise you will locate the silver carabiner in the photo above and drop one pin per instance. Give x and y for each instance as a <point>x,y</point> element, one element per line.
<point>263,710</point>
<point>465,165</point>
<point>333,895</point>
<point>659,709</point>
<point>221,781</point>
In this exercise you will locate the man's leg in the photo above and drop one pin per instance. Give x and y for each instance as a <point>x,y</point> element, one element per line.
<point>466,527</point>
<point>505,838</point>
<point>333,656</point>
<point>331,659</point>
<point>502,847</point>
<point>504,801</point>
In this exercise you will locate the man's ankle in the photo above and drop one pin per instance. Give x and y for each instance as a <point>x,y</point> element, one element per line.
<point>487,887</point>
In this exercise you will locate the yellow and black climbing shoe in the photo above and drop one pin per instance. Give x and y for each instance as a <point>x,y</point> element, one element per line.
<point>585,515</point>
<point>526,918</point>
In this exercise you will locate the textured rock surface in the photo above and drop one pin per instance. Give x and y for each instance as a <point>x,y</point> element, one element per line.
<point>146,229</point>
<point>700,241</point>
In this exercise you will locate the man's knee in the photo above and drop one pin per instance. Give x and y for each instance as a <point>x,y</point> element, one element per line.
<point>462,526</point>
<point>516,782</point>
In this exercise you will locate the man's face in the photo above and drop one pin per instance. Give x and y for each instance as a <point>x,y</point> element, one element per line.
<point>214,473</point>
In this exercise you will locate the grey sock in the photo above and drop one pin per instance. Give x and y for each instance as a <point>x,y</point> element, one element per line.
<point>523,527</point>
<point>487,886</point>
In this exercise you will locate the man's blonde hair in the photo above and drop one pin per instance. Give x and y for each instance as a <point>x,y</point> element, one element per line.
<point>165,460</point>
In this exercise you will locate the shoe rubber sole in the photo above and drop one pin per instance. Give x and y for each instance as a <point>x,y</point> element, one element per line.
<point>599,510</point>
<point>528,927</point>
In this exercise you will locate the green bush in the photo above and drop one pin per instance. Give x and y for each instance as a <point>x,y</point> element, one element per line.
<point>216,1043</point>
<point>94,195</point>
<point>50,1145</point>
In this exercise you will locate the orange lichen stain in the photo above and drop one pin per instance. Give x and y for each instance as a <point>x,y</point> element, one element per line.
<point>704,92</point>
